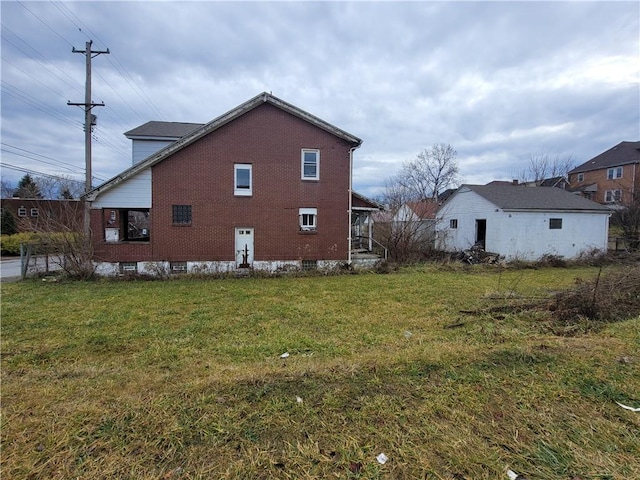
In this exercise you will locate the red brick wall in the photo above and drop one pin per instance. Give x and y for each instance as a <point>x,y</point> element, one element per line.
<point>202,175</point>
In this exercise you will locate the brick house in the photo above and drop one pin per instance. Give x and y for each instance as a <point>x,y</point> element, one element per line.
<point>612,177</point>
<point>265,185</point>
<point>44,215</point>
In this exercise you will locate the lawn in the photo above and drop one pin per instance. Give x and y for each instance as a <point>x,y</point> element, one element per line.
<point>185,379</point>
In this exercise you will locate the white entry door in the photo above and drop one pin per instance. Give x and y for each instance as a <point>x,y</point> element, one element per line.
<point>244,247</point>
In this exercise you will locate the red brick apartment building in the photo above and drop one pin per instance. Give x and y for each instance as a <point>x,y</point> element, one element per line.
<point>265,185</point>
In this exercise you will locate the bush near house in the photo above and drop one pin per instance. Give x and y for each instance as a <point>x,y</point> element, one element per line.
<point>43,242</point>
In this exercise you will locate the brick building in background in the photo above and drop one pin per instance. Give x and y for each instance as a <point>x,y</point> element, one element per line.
<point>266,185</point>
<point>612,177</point>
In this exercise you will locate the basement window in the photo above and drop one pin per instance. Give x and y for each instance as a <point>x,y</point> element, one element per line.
<point>555,223</point>
<point>308,265</point>
<point>178,267</point>
<point>128,267</point>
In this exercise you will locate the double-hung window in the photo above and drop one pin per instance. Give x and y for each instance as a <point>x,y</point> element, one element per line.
<point>614,173</point>
<point>310,164</point>
<point>308,219</point>
<point>243,183</point>
<point>611,196</point>
<point>581,177</point>
<point>22,212</point>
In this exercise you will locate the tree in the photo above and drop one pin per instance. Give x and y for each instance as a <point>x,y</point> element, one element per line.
<point>27,188</point>
<point>66,194</point>
<point>542,166</point>
<point>628,219</point>
<point>431,172</point>
<point>6,189</point>
<point>8,224</point>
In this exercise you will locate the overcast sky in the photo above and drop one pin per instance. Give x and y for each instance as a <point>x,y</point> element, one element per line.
<point>499,81</point>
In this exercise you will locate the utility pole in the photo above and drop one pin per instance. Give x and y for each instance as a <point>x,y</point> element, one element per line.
<point>88,123</point>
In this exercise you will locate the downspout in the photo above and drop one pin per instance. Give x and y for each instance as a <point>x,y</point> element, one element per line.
<point>350,239</point>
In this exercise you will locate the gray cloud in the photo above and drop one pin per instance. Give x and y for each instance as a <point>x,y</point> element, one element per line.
<point>497,80</point>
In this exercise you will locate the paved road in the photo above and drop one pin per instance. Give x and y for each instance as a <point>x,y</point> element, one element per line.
<point>10,268</point>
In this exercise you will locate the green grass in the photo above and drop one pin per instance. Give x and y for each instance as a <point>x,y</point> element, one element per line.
<point>183,379</point>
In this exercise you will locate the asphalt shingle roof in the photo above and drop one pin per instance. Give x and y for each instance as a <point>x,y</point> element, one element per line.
<point>515,197</point>
<point>164,129</point>
<point>622,154</point>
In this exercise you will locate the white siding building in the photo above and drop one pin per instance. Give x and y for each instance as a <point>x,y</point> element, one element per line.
<point>522,223</point>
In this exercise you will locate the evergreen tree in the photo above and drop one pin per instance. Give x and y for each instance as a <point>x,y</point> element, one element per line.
<point>8,224</point>
<point>27,188</point>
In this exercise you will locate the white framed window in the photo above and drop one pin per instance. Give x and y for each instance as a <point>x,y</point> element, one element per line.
<point>308,219</point>
<point>243,181</point>
<point>611,196</point>
<point>310,164</point>
<point>22,211</point>
<point>113,216</point>
<point>613,173</point>
<point>34,212</point>
<point>581,177</point>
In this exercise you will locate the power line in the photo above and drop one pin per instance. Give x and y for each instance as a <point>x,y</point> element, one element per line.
<point>45,23</point>
<point>73,84</point>
<point>118,65</point>
<point>60,162</point>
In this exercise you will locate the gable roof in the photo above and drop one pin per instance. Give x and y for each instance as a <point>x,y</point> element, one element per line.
<point>519,198</point>
<point>424,210</point>
<point>360,202</point>
<point>622,154</point>
<point>155,129</point>
<point>215,124</point>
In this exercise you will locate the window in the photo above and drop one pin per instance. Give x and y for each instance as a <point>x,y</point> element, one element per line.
<point>581,177</point>
<point>309,265</point>
<point>242,183</point>
<point>613,173</point>
<point>555,223</point>
<point>611,196</point>
<point>453,223</point>
<point>310,164</point>
<point>178,267</point>
<point>128,267</point>
<point>34,212</point>
<point>22,212</point>
<point>308,219</point>
<point>182,214</point>
<point>113,215</point>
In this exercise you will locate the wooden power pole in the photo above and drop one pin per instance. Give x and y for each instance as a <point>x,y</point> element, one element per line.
<point>88,123</point>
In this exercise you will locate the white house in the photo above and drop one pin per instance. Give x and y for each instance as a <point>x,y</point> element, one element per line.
<point>522,223</point>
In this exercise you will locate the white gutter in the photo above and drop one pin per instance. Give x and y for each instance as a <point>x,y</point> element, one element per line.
<point>349,239</point>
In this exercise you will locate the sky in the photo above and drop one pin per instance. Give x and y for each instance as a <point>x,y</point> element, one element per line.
<point>498,81</point>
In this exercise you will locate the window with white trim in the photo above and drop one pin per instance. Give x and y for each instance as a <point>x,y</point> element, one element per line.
<point>581,177</point>
<point>310,164</point>
<point>22,211</point>
<point>243,183</point>
<point>613,173</point>
<point>611,196</point>
<point>308,219</point>
<point>34,212</point>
